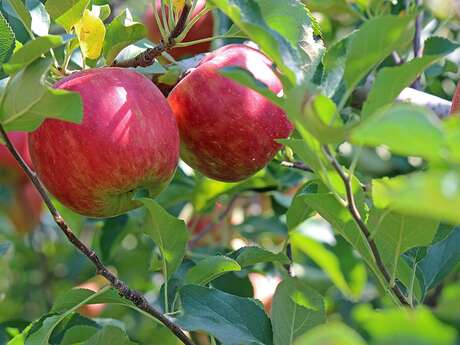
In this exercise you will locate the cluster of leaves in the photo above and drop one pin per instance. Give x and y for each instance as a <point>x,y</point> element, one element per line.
<point>410,212</point>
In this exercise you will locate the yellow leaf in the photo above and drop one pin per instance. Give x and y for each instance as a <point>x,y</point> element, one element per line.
<point>90,31</point>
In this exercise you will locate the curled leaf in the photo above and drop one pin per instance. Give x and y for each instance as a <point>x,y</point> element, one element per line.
<point>90,31</point>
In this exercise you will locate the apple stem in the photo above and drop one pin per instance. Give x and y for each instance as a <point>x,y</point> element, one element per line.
<point>124,290</point>
<point>354,211</point>
<point>148,56</point>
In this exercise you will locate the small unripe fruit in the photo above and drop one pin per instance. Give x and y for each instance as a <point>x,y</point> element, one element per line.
<point>228,131</point>
<point>128,141</point>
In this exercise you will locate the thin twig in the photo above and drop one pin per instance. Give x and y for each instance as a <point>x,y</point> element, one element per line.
<point>417,44</point>
<point>147,57</point>
<point>397,58</point>
<point>297,165</point>
<point>124,290</point>
<point>289,255</point>
<point>210,227</point>
<point>440,106</point>
<point>351,205</point>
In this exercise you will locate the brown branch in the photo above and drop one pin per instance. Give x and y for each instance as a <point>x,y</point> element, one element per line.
<point>417,44</point>
<point>147,57</point>
<point>288,266</point>
<point>210,227</point>
<point>439,106</point>
<point>124,290</point>
<point>351,205</point>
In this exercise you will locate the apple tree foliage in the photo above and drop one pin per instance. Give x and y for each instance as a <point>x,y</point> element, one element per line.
<point>357,216</point>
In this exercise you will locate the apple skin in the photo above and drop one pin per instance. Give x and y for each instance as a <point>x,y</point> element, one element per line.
<point>200,222</point>
<point>91,310</point>
<point>10,171</point>
<point>264,288</point>
<point>203,28</point>
<point>456,101</point>
<point>128,140</point>
<point>25,209</point>
<point>228,131</point>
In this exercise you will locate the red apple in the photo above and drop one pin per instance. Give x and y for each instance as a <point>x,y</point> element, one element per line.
<point>25,209</point>
<point>228,131</point>
<point>456,101</point>
<point>207,222</point>
<point>203,28</point>
<point>10,171</point>
<point>264,288</point>
<point>91,310</point>
<point>128,141</point>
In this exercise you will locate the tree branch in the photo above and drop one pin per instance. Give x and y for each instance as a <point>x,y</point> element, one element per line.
<point>297,165</point>
<point>417,44</point>
<point>439,106</point>
<point>351,205</point>
<point>288,266</point>
<point>147,57</point>
<point>210,227</point>
<point>124,290</point>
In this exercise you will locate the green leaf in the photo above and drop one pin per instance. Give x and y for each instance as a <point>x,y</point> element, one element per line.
<point>78,334</point>
<point>208,190</point>
<point>389,127</point>
<point>334,61</point>
<point>209,269</point>
<point>232,320</point>
<point>390,81</point>
<point>332,333</point>
<point>327,261</point>
<point>296,309</point>
<point>27,102</point>
<point>440,260</point>
<point>326,204</point>
<point>75,298</point>
<point>298,26</point>
<point>298,212</point>
<point>4,247</point>
<point>169,234</point>
<point>373,42</point>
<point>42,330</point>
<point>19,10</point>
<point>7,40</point>
<point>245,78</point>
<point>395,234</point>
<point>40,18</point>
<point>66,12</point>
<point>447,307</point>
<point>42,335</point>
<point>121,32</point>
<point>30,52</point>
<point>404,326</point>
<point>111,235</point>
<point>102,11</point>
<point>432,194</point>
<point>246,14</point>
<point>320,118</point>
<point>249,256</point>
<point>109,335</point>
